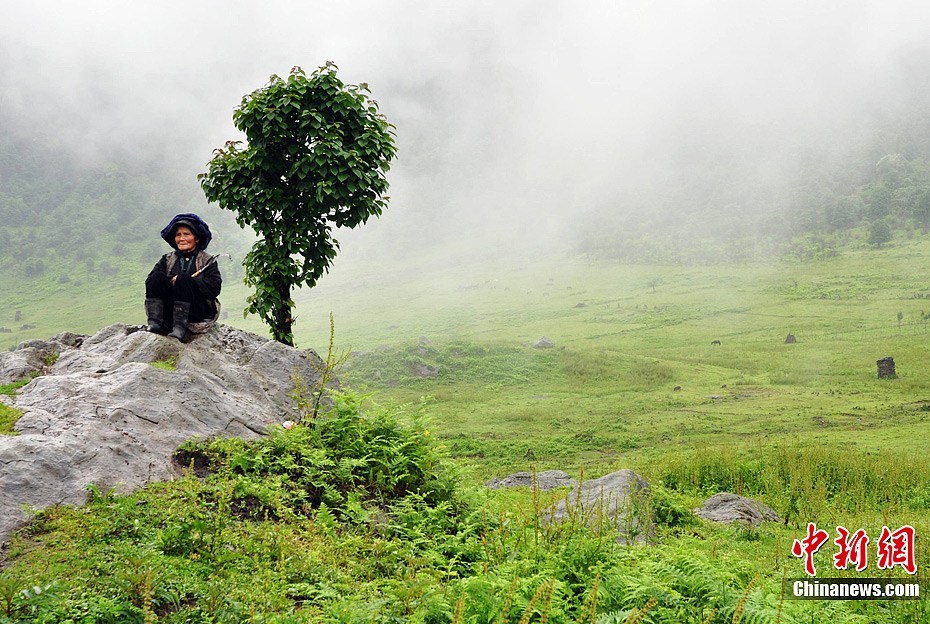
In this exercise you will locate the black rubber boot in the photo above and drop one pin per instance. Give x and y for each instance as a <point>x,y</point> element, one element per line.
<point>182,310</point>
<point>155,313</point>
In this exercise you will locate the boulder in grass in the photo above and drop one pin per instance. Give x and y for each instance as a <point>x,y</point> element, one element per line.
<point>424,371</point>
<point>20,364</point>
<point>618,501</point>
<point>543,343</point>
<point>546,480</point>
<point>728,508</point>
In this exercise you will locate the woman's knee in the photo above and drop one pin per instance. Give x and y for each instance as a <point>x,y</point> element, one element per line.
<point>157,285</point>
<point>156,279</point>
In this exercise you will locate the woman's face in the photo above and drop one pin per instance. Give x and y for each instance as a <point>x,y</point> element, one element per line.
<point>184,238</point>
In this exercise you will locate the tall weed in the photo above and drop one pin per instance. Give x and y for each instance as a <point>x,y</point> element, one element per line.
<point>801,481</point>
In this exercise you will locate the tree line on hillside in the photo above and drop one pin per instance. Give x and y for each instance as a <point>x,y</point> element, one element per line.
<point>823,211</point>
<point>62,218</point>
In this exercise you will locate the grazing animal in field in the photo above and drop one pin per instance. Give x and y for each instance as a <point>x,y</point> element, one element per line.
<point>715,343</point>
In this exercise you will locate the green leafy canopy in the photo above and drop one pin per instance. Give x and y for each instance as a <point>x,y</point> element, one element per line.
<point>316,157</point>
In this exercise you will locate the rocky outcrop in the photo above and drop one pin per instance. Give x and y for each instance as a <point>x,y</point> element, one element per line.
<point>727,508</point>
<point>102,414</point>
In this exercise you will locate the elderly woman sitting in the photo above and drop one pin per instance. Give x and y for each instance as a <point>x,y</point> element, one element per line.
<point>181,291</point>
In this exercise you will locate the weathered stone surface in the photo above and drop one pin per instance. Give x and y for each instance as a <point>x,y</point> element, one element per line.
<point>726,508</point>
<point>543,343</point>
<point>618,500</point>
<point>103,415</point>
<point>55,344</point>
<point>546,480</point>
<point>31,356</point>
<point>20,364</point>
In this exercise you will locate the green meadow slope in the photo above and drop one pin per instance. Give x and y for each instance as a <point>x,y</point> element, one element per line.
<point>635,370</point>
<point>635,379</point>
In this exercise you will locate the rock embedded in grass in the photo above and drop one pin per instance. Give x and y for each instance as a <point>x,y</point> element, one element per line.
<point>886,368</point>
<point>32,356</point>
<point>546,480</point>
<point>617,501</point>
<point>424,371</point>
<point>727,508</point>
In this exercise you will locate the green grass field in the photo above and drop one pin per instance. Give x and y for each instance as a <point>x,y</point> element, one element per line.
<point>627,336</point>
<point>634,381</point>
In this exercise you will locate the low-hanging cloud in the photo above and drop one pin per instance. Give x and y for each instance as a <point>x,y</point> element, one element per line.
<point>512,118</point>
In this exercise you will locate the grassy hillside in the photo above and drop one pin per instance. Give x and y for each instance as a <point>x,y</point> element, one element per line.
<point>633,381</point>
<point>627,336</point>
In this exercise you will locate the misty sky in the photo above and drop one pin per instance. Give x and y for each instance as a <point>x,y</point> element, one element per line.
<point>511,116</point>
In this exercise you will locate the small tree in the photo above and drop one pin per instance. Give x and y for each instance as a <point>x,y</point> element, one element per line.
<point>316,157</point>
<point>879,233</point>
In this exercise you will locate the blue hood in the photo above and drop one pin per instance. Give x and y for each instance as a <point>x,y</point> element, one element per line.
<point>195,223</point>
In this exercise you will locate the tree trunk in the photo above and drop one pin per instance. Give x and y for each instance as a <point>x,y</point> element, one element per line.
<point>282,317</point>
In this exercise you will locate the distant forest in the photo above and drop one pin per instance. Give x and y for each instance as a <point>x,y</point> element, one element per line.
<point>64,217</point>
<point>855,203</point>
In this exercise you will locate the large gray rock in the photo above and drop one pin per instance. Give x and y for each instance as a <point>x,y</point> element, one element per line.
<point>103,415</point>
<point>545,480</point>
<point>727,508</point>
<point>619,500</point>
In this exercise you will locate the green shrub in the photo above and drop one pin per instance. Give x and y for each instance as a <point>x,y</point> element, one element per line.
<point>345,460</point>
<point>670,508</point>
